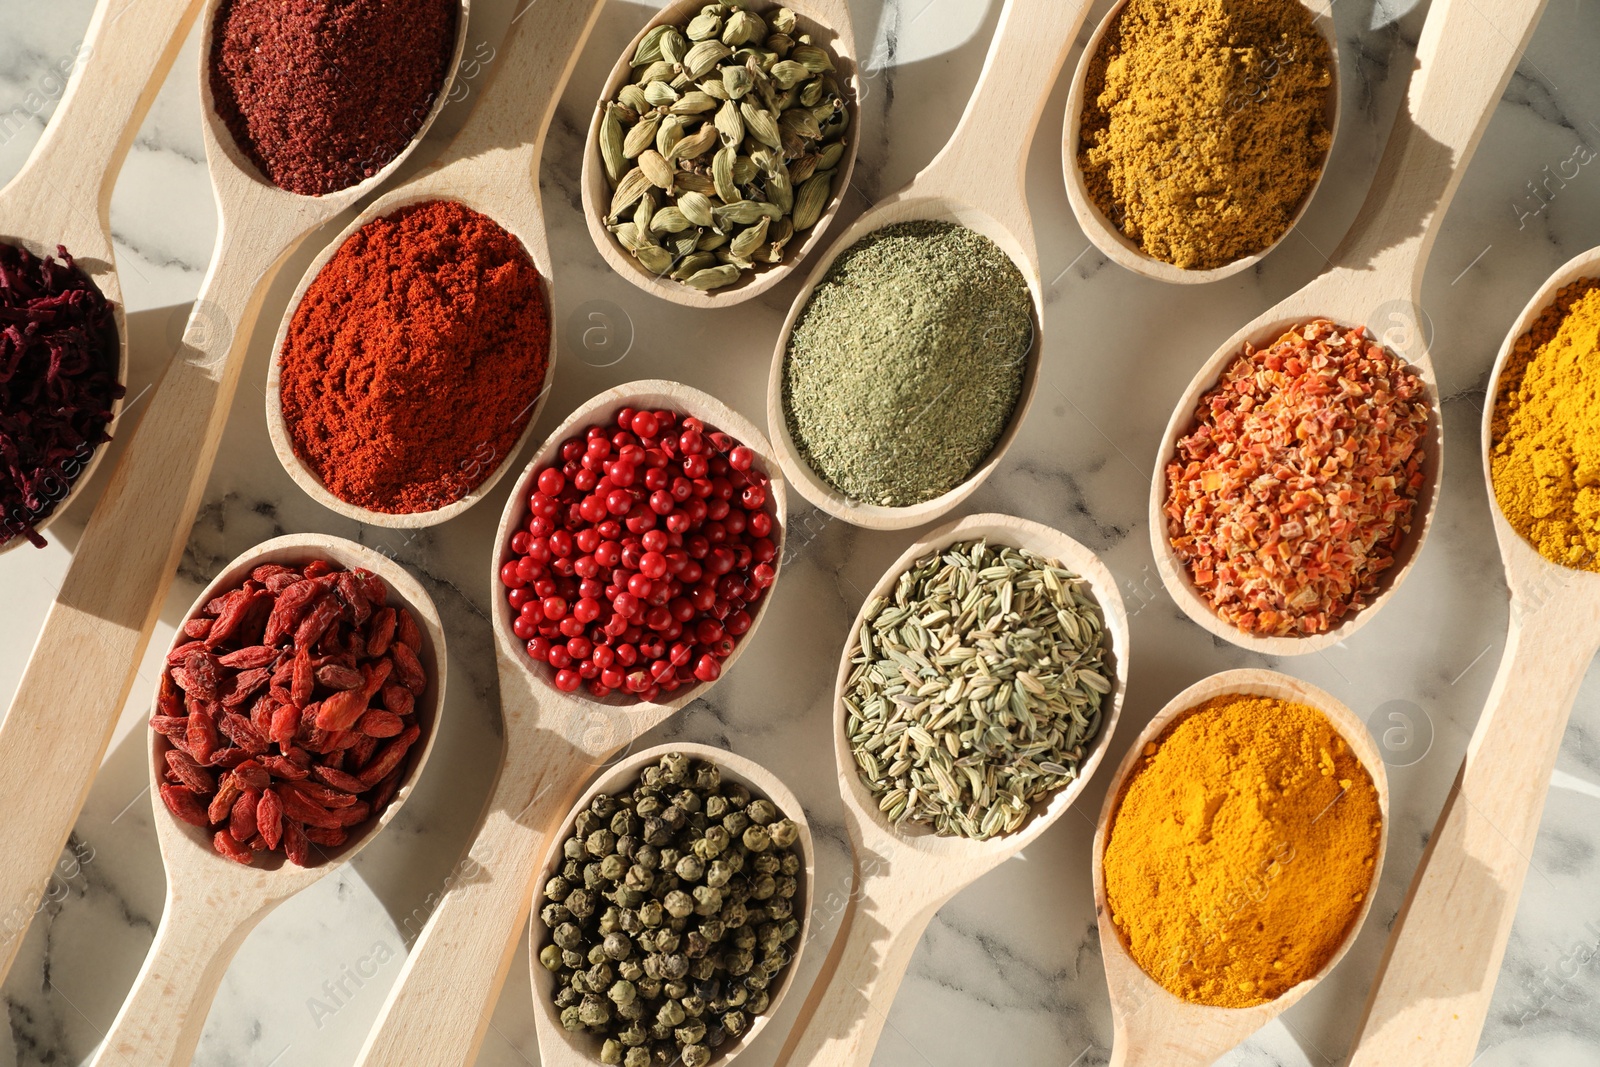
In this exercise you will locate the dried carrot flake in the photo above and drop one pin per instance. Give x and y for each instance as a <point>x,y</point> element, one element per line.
<point>1287,498</point>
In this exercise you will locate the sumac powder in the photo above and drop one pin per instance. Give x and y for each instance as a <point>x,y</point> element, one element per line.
<point>413,362</point>
<point>322,94</point>
<point>58,381</point>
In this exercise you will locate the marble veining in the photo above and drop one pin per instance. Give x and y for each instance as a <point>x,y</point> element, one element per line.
<point>1009,971</point>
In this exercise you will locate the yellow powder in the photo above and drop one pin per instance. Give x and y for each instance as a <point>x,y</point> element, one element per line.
<point>1205,126</point>
<point>1241,850</point>
<point>1544,460</point>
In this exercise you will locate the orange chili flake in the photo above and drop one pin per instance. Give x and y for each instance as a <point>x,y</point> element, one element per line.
<point>1288,497</point>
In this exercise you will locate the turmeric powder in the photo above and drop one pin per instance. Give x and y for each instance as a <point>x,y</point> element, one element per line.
<point>1205,126</point>
<point>1544,454</point>
<point>1241,850</point>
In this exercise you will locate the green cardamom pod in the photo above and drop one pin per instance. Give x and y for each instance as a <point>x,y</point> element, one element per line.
<point>703,57</point>
<point>714,87</point>
<point>787,73</point>
<point>656,168</point>
<point>783,20</point>
<point>642,217</point>
<point>695,145</point>
<point>831,155</point>
<point>745,243</point>
<point>673,46</point>
<point>692,264</point>
<point>669,134</point>
<point>779,191</point>
<point>689,181</point>
<point>736,80</point>
<point>780,44</point>
<point>642,136</point>
<point>632,186</point>
<point>611,144</point>
<point>743,213</point>
<point>659,71</point>
<point>761,124</point>
<point>725,255</point>
<point>802,168</point>
<point>649,50</point>
<point>711,240</point>
<point>660,94</point>
<point>744,27</point>
<point>627,235</point>
<point>713,277</point>
<point>684,243</point>
<point>811,93</point>
<point>655,259</point>
<point>696,208</point>
<point>815,59</point>
<point>669,219</point>
<point>632,98</point>
<point>730,123</point>
<point>704,25</point>
<point>801,123</point>
<point>780,233</point>
<point>744,170</point>
<point>694,103</point>
<point>722,167</point>
<point>810,199</point>
<point>763,159</point>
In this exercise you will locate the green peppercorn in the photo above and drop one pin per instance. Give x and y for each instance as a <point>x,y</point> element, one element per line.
<point>763,886</point>
<point>611,1051</point>
<point>691,1032</point>
<point>613,867</point>
<point>784,833</point>
<point>676,989</point>
<point>690,868</point>
<point>570,1019</point>
<point>550,957</point>
<point>734,1023</point>
<point>763,811</point>
<point>554,915</point>
<point>622,991</point>
<point>636,1057</point>
<point>670,1014</point>
<point>756,839</point>
<point>571,959</point>
<point>572,848</point>
<point>597,955</point>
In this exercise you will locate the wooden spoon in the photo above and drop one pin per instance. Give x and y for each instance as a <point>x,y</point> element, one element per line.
<point>439,1009</point>
<point>1436,978</point>
<point>62,195</point>
<point>558,1046</point>
<point>493,168</point>
<point>213,903</point>
<point>961,185</point>
<point>904,874</point>
<point>1111,242</point>
<point>1464,58</point>
<point>1151,1025</point>
<point>828,21</point>
<point>62,716</point>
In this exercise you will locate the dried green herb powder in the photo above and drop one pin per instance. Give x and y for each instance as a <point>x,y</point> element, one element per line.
<point>906,364</point>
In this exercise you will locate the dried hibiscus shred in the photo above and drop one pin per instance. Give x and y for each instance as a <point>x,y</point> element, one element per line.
<point>1287,499</point>
<point>58,382</point>
<point>289,705</point>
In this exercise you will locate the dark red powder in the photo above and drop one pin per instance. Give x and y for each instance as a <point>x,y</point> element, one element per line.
<point>413,362</point>
<point>321,94</point>
<point>58,380</point>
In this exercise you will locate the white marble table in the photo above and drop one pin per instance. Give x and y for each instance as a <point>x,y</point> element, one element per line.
<point>1009,972</point>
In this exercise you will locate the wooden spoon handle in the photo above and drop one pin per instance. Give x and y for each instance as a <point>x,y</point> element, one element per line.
<point>161,1021</point>
<point>1030,44</point>
<point>1465,57</point>
<point>439,1008</point>
<point>1438,972</point>
<point>81,669</point>
<point>849,1004</point>
<point>125,56</point>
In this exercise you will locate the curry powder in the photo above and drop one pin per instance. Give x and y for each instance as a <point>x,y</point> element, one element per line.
<point>1544,457</point>
<point>1205,125</point>
<point>1241,850</point>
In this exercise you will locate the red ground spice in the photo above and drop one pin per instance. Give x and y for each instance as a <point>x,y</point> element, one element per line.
<point>321,94</point>
<point>1287,499</point>
<point>413,362</point>
<point>58,381</point>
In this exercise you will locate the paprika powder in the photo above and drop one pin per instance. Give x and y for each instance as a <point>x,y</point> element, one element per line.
<point>411,367</point>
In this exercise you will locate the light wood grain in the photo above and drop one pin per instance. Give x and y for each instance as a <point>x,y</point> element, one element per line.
<point>1438,973</point>
<point>559,1047</point>
<point>963,184</point>
<point>1150,1025</point>
<point>1111,241</point>
<point>904,874</point>
<point>555,742</point>
<point>62,195</point>
<point>62,716</point>
<point>213,903</point>
<point>1465,57</point>
<point>828,21</point>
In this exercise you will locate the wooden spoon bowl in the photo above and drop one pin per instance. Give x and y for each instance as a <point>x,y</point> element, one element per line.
<point>555,742</point>
<point>511,213</point>
<point>558,1046</point>
<point>1438,973</point>
<point>962,186</point>
<point>213,903</point>
<point>62,716</point>
<point>1152,1025</point>
<point>1111,241</point>
<point>906,872</point>
<point>1464,58</point>
<point>828,21</point>
<point>62,195</point>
